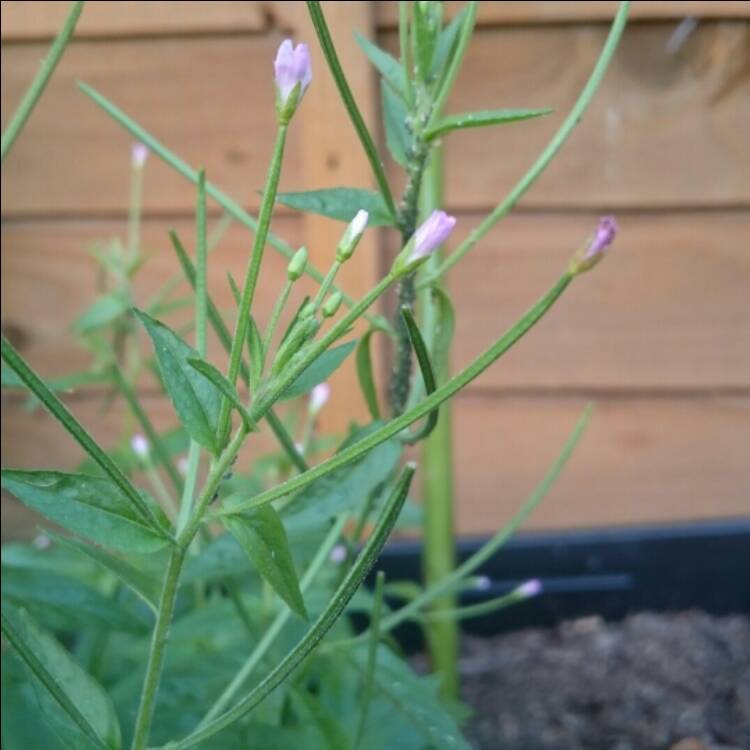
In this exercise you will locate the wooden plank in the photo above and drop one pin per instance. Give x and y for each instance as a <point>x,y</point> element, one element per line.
<point>664,130</point>
<point>666,310</point>
<point>210,100</point>
<point>641,461</point>
<point>35,20</point>
<point>49,278</point>
<point>332,156</point>
<point>553,11</point>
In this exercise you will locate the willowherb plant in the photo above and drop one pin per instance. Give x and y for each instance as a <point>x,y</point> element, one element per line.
<point>206,607</point>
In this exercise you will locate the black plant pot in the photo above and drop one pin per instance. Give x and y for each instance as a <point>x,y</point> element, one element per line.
<point>608,572</point>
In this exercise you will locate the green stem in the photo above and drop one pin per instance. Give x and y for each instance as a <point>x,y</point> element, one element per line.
<point>371,151</point>
<point>396,425</point>
<point>438,549</point>
<point>272,632</point>
<point>326,285</point>
<point>31,97</point>
<point>403,43</point>
<point>276,314</point>
<point>251,275</point>
<point>158,647</point>
<point>231,207</point>
<point>573,118</point>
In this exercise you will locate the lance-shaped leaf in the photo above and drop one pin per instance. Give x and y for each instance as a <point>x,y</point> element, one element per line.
<point>262,535</point>
<point>397,136</point>
<point>366,374</point>
<point>196,399</point>
<point>446,42</point>
<point>340,203</point>
<point>319,370</point>
<point>87,505</point>
<point>58,410</point>
<point>428,376</point>
<point>78,706</point>
<point>103,311</point>
<point>227,389</point>
<point>141,582</point>
<point>444,330</point>
<point>387,65</point>
<point>482,119</point>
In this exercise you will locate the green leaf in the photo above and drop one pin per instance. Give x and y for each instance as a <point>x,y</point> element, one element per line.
<point>366,375</point>
<point>263,537</point>
<point>195,398</point>
<point>340,203</point>
<point>103,311</point>
<point>64,603</point>
<point>139,581</point>
<point>446,42</point>
<point>428,18</point>
<point>344,489</point>
<point>58,410</point>
<point>90,506</point>
<point>482,119</point>
<point>428,376</point>
<point>444,330</point>
<point>227,389</point>
<point>318,370</point>
<point>82,712</point>
<point>257,353</point>
<point>385,63</point>
<point>397,136</point>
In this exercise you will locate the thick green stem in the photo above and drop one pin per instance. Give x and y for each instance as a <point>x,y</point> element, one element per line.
<point>439,548</point>
<point>35,90</point>
<point>573,118</point>
<point>251,275</point>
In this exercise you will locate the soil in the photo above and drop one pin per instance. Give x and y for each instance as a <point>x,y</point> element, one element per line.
<point>651,682</point>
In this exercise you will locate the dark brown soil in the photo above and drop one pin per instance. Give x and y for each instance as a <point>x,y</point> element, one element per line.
<point>651,682</point>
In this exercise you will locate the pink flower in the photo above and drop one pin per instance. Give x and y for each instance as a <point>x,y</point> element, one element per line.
<point>605,235</point>
<point>529,589</point>
<point>138,155</point>
<point>140,446</point>
<point>319,397</point>
<point>433,233</point>
<point>292,67</point>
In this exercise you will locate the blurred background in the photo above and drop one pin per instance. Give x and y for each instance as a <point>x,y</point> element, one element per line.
<point>658,336</point>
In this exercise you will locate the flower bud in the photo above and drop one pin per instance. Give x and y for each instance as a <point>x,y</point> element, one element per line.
<point>529,589</point>
<point>307,310</point>
<point>589,256</point>
<point>352,236</point>
<point>331,305</point>
<point>140,446</point>
<point>319,397</point>
<point>138,155</point>
<point>297,264</point>
<point>338,554</point>
<point>433,232</point>
<point>293,74</point>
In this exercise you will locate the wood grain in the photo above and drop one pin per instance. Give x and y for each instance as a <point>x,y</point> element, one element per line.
<point>667,309</point>
<point>202,97</point>
<point>553,11</point>
<point>663,130</point>
<point>641,461</point>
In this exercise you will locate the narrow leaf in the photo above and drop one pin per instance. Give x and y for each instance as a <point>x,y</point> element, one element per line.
<point>195,398</point>
<point>319,370</point>
<point>90,506</point>
<point>366,375</point>
<point>397,135</point>
<point>103,311</point>
<point>62,684</point>
<point>428,376</point>
<point>444,330</point>
<point>482,119</point>
<point>257,353</point>
<point>227,389</point>
<point>385,63</point>
<point>144,585</point>
<point>340,203</point>
<point>263,538</point>
<point>58,410</point>
<point>446,42</point>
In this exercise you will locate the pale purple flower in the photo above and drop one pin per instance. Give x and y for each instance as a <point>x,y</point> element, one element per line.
<point>483,583</point>
<point>42,541</point>
<point>319,397</point>
<point>182,465</point>
<point>292,67</point>
<point>605,235</point>
<point>338,554</point>
<point>140,446</point>
<point>433,233</point>
<point>529,589</point>
<point>138,155</point>
<point>300,448</point>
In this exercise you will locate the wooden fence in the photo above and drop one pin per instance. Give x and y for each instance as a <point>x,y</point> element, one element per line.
<point>658,336</point>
